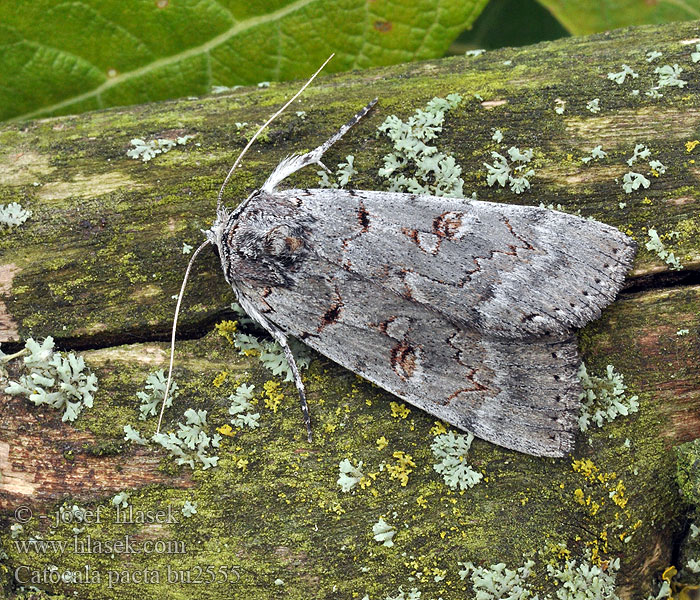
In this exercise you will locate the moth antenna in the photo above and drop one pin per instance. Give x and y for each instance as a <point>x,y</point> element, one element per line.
<point>262,128</point>
<point>172,339</point>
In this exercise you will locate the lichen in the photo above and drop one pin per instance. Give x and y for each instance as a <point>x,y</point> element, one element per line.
<point>514,174</point>
<point>620,76</point>
<point>596,153</point>
<point>384,533</point>
<point>415,166</point>
<point>632,181</point>
<point>133,435</point>
<point>148,150</point>
<point>152,398</point>
<point>577,580</point>
<point>61,382</point>
<point>497,581</point>
<point>344,174</point>
<point>13,215</point>
<point>241,408</point>
<point>450,450</point>
<point>350,475</point>
<point>640,151</point>
<point>603,398</point>
<point>669,76</point>
<point>121,499</point>
<point>270,353</point>
<point>189,509</point>
<point>655,245</point>
<point>191,441</point>
<point>593,105</point>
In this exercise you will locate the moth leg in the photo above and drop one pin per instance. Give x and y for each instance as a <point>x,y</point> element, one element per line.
<point>281,339</point>
<point>279,336</point>
<point>293,163</point>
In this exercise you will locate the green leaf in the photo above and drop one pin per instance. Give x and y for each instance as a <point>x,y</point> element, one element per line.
<point>581,17</point>
<point>77,56</point>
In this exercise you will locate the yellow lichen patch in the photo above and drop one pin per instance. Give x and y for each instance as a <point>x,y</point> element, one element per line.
<point>219,379</point>
<point>87,187</point>
<point>225,430</point>
<point>669,573</point>
<point>626,536</point>
<point>403,468</point>
<point>399,410</point>
<point>587,501</point>
<point>604,497</point>
<point>598,546</point>
<point>24,168</point>
<point>367,480</point>
<point>241,463</point>
<point>272,395</point>
<point>332,507</point>
<point>586,467</point>
<point>226,329</point>
<point>438,428</point>
<point>618,495</point>
<point>690,146</point>
<point>382,443</point>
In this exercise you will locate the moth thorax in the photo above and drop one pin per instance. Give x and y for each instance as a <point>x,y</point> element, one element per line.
<point>285,242</point>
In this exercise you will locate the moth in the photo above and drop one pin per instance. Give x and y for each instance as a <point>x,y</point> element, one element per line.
<point>465,309</point>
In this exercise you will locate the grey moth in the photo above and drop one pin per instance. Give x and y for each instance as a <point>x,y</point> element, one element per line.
<point>462,308</point>
<point>465,309</point>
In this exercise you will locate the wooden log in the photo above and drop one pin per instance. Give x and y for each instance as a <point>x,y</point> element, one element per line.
<point>97,265</point>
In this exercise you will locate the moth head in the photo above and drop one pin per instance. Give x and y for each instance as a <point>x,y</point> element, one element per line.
<point>215,233</point>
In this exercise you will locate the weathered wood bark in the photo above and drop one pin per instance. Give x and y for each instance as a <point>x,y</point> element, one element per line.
<point>99,261</point>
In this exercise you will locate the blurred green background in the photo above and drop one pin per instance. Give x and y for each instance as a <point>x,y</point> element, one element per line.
<point>69,57</point>
<point>509,23</point>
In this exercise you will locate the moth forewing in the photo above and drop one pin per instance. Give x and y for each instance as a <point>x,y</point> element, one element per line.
<point>504,270</point>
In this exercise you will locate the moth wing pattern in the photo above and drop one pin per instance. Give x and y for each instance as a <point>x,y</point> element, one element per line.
<point>504,270</point>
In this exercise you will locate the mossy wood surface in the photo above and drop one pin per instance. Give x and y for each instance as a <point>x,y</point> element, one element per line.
<point>97,265</point>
